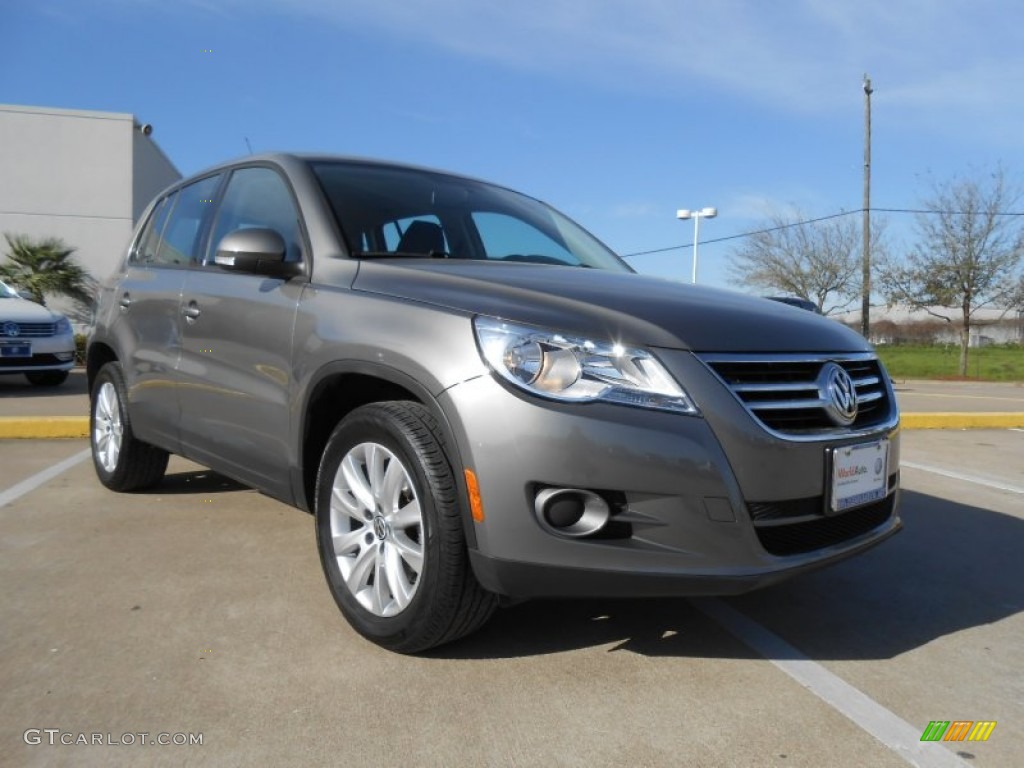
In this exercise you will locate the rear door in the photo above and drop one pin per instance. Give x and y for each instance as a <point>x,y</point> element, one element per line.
<point>148,326</point>
<point>235,366</point>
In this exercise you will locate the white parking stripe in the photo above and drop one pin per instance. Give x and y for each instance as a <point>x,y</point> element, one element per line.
<point>38,479</point>
<point>961,476</point>
<point>894,732</point>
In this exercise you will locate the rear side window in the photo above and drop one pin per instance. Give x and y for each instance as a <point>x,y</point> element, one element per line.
<point>174,232</point>
<point>258,197</point>
<point>152,234</point>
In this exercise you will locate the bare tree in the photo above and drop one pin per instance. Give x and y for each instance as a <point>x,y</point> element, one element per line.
<point>968,255</point>
<point>817,261</point>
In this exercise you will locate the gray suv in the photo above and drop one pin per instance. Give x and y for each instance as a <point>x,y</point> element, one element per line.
<point>477,399</point>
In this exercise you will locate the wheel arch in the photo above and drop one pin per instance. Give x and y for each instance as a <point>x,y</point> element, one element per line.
<point>338,389</point>
<point>98,355</point>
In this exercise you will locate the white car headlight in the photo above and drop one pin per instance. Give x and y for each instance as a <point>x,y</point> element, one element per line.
<point>63,325</point>
<point>573,369</point>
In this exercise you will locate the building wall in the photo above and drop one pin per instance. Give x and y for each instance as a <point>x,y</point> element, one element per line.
<point>81,176</point>
<point>940,325</point>
<point>151,172</point>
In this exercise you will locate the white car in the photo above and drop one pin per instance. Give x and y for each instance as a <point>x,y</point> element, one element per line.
<point>33,340</point>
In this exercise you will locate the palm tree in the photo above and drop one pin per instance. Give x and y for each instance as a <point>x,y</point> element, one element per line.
<point>43,266</point>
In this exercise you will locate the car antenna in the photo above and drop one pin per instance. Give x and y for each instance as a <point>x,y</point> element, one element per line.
<point>247,144</point>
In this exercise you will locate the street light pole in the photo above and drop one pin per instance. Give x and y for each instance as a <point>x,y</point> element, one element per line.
<point>703,213</point>
<point>865,293</point>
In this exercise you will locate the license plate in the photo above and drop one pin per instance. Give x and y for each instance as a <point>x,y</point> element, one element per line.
<point>15,350</point>
<point>859,474</point>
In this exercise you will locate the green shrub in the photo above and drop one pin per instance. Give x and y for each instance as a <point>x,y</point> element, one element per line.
<point>80,339</point>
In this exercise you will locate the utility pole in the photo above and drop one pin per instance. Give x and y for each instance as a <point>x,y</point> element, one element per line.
<point>865,300</point>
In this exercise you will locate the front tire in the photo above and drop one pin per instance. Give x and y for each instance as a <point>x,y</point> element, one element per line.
<point>122,461</point>
<point>389,531</point>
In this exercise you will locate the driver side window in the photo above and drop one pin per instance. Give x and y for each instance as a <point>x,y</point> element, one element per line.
<point>258,197</point>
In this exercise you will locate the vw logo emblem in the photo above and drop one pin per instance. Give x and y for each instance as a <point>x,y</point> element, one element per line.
<point>838,394</point>
<point>380,528</point>
<point>11,329</point>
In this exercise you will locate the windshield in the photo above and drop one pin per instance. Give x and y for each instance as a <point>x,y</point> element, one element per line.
<point>6,292</point>
<point>389,211</point>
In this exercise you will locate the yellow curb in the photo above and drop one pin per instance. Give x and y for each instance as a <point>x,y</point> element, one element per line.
<point>44,427</point>
<point>973,420</point>
<point>78,426</point>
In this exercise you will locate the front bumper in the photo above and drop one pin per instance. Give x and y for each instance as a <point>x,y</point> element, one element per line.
<point>685,486</point>
<point>49,353</point>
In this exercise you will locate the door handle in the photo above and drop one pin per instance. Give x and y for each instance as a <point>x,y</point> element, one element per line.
<point>126,302</point>
<point>191,311</point>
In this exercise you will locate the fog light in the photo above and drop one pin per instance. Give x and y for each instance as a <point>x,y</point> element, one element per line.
<point>572,512</point>
<point>65,356</point>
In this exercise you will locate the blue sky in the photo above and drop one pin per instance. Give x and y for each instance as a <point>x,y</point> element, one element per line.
<point>618,112</point>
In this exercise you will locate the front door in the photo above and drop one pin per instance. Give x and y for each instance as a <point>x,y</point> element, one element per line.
<point>235,372</point>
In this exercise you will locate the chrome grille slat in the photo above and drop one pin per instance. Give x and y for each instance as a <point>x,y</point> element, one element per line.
<point>781,391</point>
<point>786,405</point>
<point>30,330</point>
<point>773,387</point>
<point>869,381</point>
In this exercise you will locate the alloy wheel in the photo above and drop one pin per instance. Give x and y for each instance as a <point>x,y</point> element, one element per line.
<point>107,428</point>
<point>377,529</point>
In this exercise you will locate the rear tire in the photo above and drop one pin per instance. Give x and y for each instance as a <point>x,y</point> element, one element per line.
<point>46,378</point>
<point>122,461</point>
<point>389,531</point>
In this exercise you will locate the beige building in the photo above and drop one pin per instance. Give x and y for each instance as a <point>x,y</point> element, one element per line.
<point>84,177</point>
<point>939,325</point>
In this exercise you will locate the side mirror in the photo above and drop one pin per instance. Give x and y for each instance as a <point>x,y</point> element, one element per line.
<point>253,250</point>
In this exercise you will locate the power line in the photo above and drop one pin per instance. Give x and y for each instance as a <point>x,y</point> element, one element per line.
<point>742,234</point>
<point>949,213</point>
<point>815,221</point>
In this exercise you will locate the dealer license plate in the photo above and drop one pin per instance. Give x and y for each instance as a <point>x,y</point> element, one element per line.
<point>15,349</point>
<point>859,474</point>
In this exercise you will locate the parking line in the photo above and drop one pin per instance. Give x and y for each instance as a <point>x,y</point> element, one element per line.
<point>30,484</point>
<point>961,476</point>
<point>956,395</point>
<point>897,734</point>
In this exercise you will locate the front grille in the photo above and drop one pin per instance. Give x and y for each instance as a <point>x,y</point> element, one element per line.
<point>29,362</point>
<point>782,510</point>
<point>789,509</point>
<point>782,392</point>
<point>27,330</point>
<point>809,535</point>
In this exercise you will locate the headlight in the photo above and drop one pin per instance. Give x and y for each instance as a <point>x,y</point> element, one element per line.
<point>63,326</point>
<point>573,369</point>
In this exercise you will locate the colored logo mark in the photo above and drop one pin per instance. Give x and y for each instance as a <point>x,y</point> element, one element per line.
<point>958,730</point>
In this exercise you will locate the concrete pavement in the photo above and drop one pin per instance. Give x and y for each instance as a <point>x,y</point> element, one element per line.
<point>198,610</point>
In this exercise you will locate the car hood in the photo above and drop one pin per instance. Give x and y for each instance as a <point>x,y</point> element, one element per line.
<point>625,307</point>
<point>24,311</point>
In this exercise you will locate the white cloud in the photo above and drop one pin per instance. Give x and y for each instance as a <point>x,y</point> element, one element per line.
<point>931,61</point>
<point>639,210</point>
<point>755,206</point>
<point>801,54</point>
